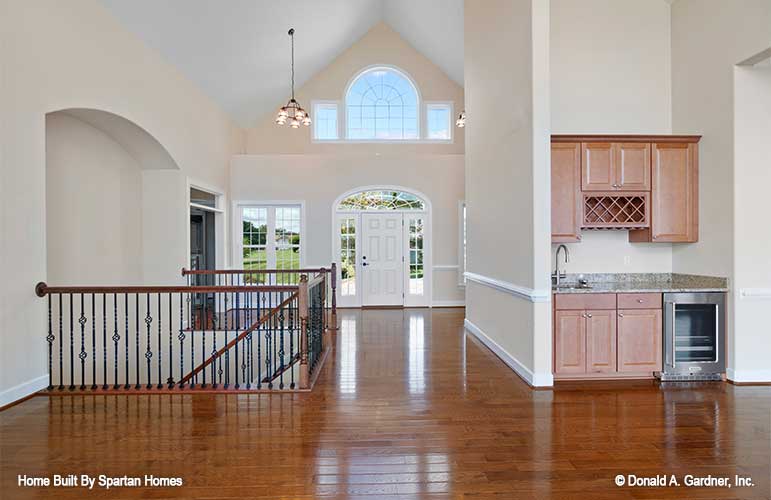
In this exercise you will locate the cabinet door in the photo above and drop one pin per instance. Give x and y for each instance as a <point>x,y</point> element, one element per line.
<point>633,166</point>
<point>639,340</point>
<point>600,341</point>
<point>674,198</point>
<point>597,166</point>
<point>565,192</point>
<point>569,342</point>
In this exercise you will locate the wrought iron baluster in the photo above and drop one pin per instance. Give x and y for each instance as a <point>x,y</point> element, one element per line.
<point>115,339</point>
<point>61,346</point>
<point>191,325</point>
<point>281,346</point>
<point>292,328</point>
<point>93,342</point>
<point>126,313</point>
<point>170,380</point>
<point>160,345</point>
<point>260,297</point>
<point>136,351</point>
<point>181,338</point>
<point>50,339</point>
<point>82,354</point>
<point>148,351</point>
<point>72,352</point>
<point>204,326</point>
<point>238,303</point>
<point>104,341</point>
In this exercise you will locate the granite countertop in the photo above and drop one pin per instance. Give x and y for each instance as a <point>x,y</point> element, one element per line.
<point>642,282</point>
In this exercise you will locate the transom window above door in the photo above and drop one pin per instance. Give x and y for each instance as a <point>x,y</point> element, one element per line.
<point>381,200</point>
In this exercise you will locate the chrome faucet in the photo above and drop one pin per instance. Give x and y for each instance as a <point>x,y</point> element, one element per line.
<point>557,275</point>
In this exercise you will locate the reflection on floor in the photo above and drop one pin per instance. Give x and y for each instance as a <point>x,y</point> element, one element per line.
<point>408,406</point>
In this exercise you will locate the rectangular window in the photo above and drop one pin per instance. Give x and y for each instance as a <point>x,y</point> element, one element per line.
<point>438,121</point>
<point>270,239</point>
<point>416,256</point>
<point>325,121</point>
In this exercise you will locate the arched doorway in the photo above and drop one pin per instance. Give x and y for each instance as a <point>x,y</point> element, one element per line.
<point>382,240</point>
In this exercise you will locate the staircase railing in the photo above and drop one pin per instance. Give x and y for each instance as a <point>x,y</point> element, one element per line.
<point>269,277</point>
<point>151,339</point>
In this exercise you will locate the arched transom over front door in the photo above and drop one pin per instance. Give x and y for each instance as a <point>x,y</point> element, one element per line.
<point>382,240</point>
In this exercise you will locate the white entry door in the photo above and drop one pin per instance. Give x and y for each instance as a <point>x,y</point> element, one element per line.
<point>382,259</point>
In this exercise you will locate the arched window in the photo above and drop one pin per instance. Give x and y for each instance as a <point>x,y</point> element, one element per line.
<point>382,200</point>
<point>382,104</point>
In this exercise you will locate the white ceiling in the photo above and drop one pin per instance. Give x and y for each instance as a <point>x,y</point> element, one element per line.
<point>238,51</point>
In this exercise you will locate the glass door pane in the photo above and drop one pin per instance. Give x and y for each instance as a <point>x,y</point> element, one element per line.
<point>348,256</point>
<point>416,256</point>
<point>695,333</point>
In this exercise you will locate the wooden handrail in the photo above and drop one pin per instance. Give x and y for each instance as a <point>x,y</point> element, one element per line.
<point>240,337</point>
<point>186,272</point>
<point>42,289</point>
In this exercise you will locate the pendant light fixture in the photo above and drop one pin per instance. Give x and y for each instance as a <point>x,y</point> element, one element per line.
<point>461,121</point>
<point>293,114</point>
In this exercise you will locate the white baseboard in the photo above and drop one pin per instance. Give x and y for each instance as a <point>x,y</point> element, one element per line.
<point>448,303</point>
<point>23,390</point>
<point>748,376</point>
<point>532,379</point>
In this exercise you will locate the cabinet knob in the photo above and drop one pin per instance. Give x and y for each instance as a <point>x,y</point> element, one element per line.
<point>620,315</point>
<point>588,315</point>
<point>639,301</point>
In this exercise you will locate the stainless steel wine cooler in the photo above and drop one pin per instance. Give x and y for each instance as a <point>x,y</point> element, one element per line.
<point>694,336</point>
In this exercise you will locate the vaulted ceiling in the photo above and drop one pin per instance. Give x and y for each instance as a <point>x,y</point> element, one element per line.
<point>238,51</point>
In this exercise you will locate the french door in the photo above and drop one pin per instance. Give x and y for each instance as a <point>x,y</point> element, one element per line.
<point>383,258</point>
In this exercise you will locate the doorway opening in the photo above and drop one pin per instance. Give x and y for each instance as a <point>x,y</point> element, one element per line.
<point>382,239</point>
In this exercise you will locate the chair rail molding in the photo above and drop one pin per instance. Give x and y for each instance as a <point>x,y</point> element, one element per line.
<point>530,294</point>
<point>755,293</point>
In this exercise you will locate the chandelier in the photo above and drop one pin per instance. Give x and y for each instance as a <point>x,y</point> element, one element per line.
<point>461,121</point>
<point>293,113</point>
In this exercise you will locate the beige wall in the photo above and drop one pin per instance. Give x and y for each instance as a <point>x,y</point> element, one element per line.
<point>507,179</point>
<point>58,55</point>
<point>610,73</point>
<point>709,37</point>
<point>93,206</point>
<point>381,45</point>
<point>751,353</point>
<point>318,180</point>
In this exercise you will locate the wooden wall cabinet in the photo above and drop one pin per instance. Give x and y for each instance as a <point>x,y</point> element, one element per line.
<point>594,337</point>
<point>662,171</point>
<point>674,195</point>
<point>566,197</point>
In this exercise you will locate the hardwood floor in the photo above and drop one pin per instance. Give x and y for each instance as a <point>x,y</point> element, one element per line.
<point>407,406</point>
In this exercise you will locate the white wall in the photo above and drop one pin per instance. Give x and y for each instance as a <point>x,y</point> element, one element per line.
<point>507,180</point>
<point>610,73</point>
<point>93,200</point>
<point>61,55</point>
<point>751,353</point>
<point>319,179</point>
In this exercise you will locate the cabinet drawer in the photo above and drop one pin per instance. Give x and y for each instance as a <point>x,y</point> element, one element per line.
<point>581,301</point>
<point>639,301</point>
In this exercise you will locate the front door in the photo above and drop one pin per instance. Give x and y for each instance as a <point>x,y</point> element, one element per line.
<point>382,259</point>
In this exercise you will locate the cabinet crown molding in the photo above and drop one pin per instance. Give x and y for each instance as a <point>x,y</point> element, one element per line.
<point>624,138</point>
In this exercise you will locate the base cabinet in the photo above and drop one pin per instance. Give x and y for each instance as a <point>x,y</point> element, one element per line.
<point>639,340</point>
<point>570,342</point>
<point>595,338</point>
<point>600,341</point>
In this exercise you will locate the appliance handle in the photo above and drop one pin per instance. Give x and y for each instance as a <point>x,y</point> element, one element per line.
<point>717,333</point>
<point>671,349</point>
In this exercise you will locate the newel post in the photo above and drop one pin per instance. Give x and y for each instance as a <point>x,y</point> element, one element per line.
<point>334,297</point>
<point>302,299</point>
